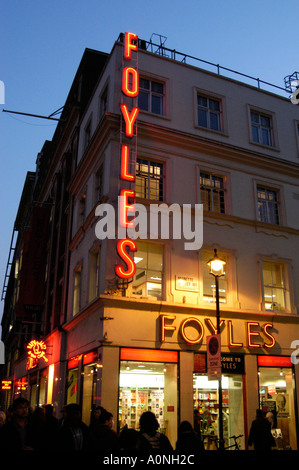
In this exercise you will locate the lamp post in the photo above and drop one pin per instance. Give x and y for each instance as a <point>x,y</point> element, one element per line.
<point>217,266</point>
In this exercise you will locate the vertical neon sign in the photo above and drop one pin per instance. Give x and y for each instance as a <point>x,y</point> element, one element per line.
<point>130,88</point>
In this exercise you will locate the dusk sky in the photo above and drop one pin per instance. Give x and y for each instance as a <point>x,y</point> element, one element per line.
<point>42,43</point>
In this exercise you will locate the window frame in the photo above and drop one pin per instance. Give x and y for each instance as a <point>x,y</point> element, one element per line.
<point>210,95</point>
<point>281,204</point>
<point>77,289</point>
<point>274,131</point>
<point>218,173</point>
<point>145,75</point>
<point>286,265</point>
<point>87,133</point>
<point>94,277</point>
<point>148,179</point>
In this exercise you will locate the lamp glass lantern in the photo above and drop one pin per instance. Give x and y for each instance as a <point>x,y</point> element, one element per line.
<point>217,265</point>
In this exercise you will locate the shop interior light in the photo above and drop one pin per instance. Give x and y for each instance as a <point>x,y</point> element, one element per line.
<point>136,259</point>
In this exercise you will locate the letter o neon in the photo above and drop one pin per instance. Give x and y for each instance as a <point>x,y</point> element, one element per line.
<point>200,327</point>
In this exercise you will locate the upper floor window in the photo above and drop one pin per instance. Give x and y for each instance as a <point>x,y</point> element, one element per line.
<point>149,270</point>
<point>274,285</point>
<point>103,104</point>
<point>82,210</point>
<point>261,128</point>
<point>77,290</point>
<point>212,192</point>
<point>149,180</point>
<point>99,184</point>
<point>151,96</point>
<point>268,205</point>
<point>94,268</point>
<point>87,135</point>
<point>209,113</point>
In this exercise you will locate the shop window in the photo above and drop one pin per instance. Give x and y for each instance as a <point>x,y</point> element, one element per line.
<point>90,378</point>
<point>149,270</point>
<point>277,400</point>
<point>206,409</point>
<point>149,386</point>
<point>209,285</point>
<point>149,180</point>
<point>274,286</point>
<point>72,385</point>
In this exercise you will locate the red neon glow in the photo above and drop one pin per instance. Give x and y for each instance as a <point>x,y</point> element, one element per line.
<point>199,327</point>
<point>252,333</point>
<point>129,118</point>
<point>266,332</point>
<point>129,46</point>
<point>37,350</point>
<point>130,87</point>
<point>148,355</point>
<point>124,207</point>
<point>212,327</point>
<point>124,166</point>
<point>231,343</point>
<point>275,361</point>
<point>121,250</point>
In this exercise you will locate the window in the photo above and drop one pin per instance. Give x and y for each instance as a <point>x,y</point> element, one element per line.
<point>103,105</point>
<point>77,290</point>
<point>261,128</point>
<point>81,210</point>
<point>99,184</point>
<point>212,193</point>
<point>268,205</point>
<point>209,113</point>
<point>94,274</point>
<point>149,270</point>
<point>87,135</point>
<point>149,180</point>
<point>151,96</point>
<point>274,286</point>
<point>209,286</point>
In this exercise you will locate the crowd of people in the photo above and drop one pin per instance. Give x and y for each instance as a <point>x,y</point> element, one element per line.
<point>25,429</point>
<point>21,428</point>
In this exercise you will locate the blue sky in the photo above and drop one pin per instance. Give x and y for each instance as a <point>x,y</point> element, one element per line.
<point>42,43</point>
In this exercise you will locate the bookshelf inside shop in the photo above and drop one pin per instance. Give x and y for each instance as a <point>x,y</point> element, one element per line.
<point>135,401</point>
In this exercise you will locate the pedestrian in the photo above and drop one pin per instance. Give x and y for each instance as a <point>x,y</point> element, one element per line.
<point>61,421</point>
<point>95,416</point>
<point>52,426</point>
<point>189,442</point>
<point>106,440</point>
<point>260,435</point>
<point>129,441</point>
<point>17,433</point>
<point>74,434</point>
<point>2,418</point>
<point>150,439</point>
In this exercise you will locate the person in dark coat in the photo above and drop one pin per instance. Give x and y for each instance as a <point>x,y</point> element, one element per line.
<point>189,442</point>
<point>260,433</point>
<point>106,440</point>
<point>74,434</point>
<point>17,433</point>
<point>150,439</point>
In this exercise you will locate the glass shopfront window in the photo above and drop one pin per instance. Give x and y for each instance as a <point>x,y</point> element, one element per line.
<point>72,385</point>
<point>277,400</point>
<point>149,386</point>
<point>206,401</point>
<point>43,389</point>
<point>90,377</point>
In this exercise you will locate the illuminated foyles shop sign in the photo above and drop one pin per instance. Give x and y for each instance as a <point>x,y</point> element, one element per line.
<point>130,89</point>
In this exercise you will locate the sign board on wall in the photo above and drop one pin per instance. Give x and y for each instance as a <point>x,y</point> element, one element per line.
<point>185,283</point>
<point>214,357</point>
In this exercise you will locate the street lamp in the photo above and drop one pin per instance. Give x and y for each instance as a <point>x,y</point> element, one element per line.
<point>217,269</point>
